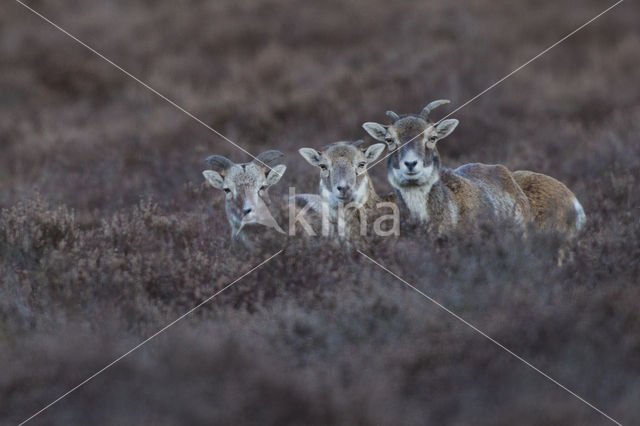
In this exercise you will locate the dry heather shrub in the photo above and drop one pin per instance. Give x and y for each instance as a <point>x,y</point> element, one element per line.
<point>319,334</point>
<point>362,346</point>
<point>32,228</point>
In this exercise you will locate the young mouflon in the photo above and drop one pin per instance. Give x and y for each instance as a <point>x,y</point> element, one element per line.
<point>246,186</point>
<point>346,189</point>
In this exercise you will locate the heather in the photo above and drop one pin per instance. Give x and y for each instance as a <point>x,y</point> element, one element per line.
<point>108,232</point>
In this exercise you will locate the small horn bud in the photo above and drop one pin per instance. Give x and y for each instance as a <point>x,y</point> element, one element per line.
<point>218,162</point>
<point>268,157</point>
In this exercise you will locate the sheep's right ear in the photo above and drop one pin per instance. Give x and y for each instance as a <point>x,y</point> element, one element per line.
<point>214,178</point>
<point>312,156</point>
<point>377,131</point>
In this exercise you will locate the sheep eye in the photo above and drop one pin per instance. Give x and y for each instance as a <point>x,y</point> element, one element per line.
<point>362,164</point>
<point>323,167</point>
<point>227,190</point>
<point>433,138</point>
<point>389,140</point>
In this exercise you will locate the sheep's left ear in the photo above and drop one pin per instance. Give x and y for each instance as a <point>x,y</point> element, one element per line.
<point>275,174</point>
<point>445,128</point>
<point>374,151</point>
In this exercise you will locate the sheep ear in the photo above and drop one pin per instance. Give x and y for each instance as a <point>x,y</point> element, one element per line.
<point>377,131</point>
<point>215,179</point>
<point>374,151</point>
<point>312,156</point>
<point>445,128</point>
<point>275,174</point>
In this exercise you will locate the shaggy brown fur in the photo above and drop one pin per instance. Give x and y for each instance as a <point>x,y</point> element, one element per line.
<point>487,188</point>
<point>553,206</point>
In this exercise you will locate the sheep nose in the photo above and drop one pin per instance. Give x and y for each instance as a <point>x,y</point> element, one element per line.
<point>343,189</point>
<point>410,165</point>
<point>246,211</point>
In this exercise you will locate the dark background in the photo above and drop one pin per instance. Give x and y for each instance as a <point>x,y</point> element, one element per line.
<point>107,232</point>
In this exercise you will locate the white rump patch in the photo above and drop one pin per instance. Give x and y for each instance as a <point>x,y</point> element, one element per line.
<point>581,218</point>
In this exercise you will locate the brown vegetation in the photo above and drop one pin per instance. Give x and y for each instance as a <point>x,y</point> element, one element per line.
<point>107,231</point>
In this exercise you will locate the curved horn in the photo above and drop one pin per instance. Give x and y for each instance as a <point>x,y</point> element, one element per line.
<point>268,157</point>
<point>393,116</point>
<point>431,106</point>
<point>219,162</point>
